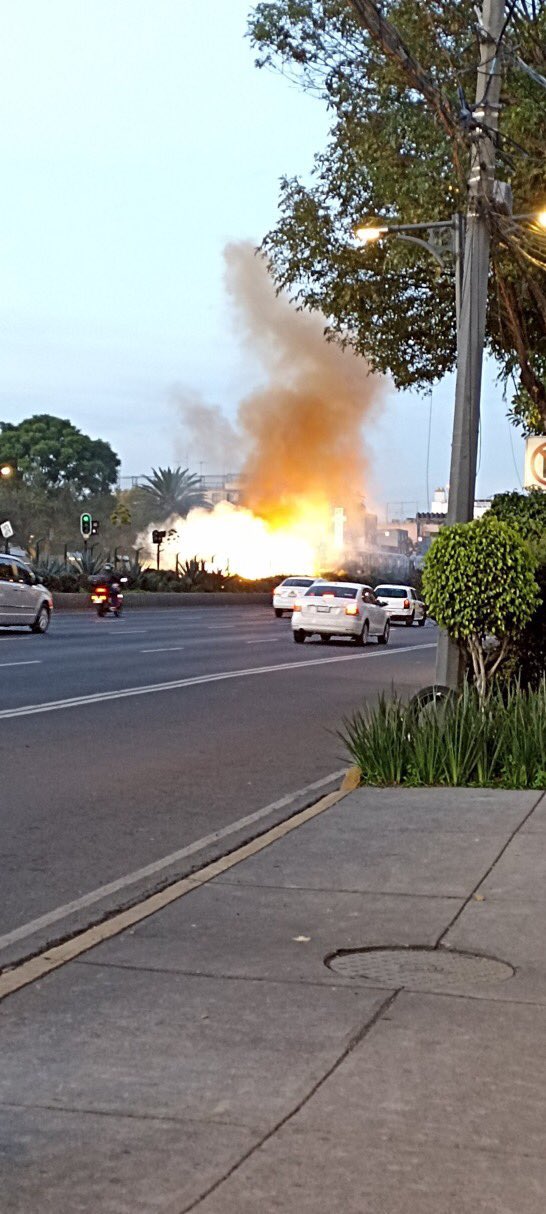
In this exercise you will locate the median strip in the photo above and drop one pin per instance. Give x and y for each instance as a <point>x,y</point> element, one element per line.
<point>102,697</point>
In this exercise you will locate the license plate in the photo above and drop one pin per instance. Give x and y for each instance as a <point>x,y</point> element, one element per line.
<point>323,608</point>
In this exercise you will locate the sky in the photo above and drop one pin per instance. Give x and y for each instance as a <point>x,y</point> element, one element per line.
<point>137,139</point>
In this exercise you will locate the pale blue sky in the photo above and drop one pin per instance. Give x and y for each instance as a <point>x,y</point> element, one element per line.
<point>136,139</point>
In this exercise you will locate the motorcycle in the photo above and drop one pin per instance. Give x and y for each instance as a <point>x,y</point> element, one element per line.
<point>108,599</point>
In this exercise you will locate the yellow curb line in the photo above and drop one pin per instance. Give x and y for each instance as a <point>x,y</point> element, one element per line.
<point>51,959</point>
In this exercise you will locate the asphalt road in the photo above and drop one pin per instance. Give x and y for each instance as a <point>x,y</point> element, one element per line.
<point>125,741</point>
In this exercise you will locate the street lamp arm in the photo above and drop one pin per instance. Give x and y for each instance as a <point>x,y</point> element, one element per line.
<point>424,245</point>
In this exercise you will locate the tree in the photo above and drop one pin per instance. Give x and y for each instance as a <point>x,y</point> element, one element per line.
<point>478,580</point>
<point>173,491</point>
<point>398,149</point>
<point>52,454</point>
<point>526,513</point>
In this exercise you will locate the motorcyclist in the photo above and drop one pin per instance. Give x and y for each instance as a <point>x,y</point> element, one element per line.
<point>109,577</point>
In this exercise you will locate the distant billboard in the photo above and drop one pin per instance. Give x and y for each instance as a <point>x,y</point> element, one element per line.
<point>535,462</point>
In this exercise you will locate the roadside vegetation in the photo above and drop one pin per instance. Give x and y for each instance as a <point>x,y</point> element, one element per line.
<point>499,742</point>
<point>485,583</point>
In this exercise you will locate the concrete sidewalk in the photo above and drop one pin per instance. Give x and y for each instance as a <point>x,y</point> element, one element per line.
<point>209,1059</point>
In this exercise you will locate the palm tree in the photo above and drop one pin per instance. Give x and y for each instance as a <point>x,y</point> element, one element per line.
<point>174,491</point>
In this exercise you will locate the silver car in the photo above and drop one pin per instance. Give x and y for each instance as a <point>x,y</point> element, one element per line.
<point>23,600</point>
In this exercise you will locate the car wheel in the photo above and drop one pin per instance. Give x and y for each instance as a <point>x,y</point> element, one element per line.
<point>362,637</point>
<point>410,620</point>
<point>41,623</point>
<point>325,638</point>
<point>299,636</point>
<point>278,612</point>
<point>384,639</point>
<point>422,621</point>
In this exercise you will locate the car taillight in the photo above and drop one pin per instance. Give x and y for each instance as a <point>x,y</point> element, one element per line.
<point>296,607</point>
<point>352,609</point>
<point>406,603</point>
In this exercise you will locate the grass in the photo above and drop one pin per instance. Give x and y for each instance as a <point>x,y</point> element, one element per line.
<point>500,744</point>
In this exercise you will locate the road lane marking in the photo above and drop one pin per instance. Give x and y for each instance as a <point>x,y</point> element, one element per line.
<point>52,958</point>
<point>32,662</point>
<point>102,697</point>
<point>262,640</point>
<point>158,866</point>
<point>163,649</point>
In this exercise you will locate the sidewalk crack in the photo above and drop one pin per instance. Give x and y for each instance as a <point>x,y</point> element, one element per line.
<point>355,1041</point>
<point>488,871</point>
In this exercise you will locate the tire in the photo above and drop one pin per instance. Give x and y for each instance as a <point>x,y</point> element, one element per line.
<point>299,636</point>
<point>325,638</point>
<point>362,638</point>
<point>41,623</point>
<point>421,623</point>
<point>410,620</point>
<point>278,612</point>
<point>384,639</point>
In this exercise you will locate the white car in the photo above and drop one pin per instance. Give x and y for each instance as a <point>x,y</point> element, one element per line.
<point>402,604</point>
<point>286,593</point>
<point>23,600</point>
<point>345,609</point>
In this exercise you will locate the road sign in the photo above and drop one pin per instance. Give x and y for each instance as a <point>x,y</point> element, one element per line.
<point>86,525</point>
<point>535,462</point>
<point>7,530</point>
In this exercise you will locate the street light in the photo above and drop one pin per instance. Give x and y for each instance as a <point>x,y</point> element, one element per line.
<point>6,471</point>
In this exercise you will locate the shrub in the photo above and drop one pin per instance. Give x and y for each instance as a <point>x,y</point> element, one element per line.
<point>479,582</point>
<point>526,513</point>
<point>496,742</point>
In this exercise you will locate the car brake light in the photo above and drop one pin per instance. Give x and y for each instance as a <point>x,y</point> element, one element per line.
<point>352,609</point>
<point>406,603</point>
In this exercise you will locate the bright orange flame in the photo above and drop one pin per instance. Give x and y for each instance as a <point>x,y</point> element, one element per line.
<point>236,540</point>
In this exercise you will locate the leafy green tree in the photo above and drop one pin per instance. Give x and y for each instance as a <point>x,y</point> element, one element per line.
<point>478,580</point>
<point>52,454</point>
<point>398,150</point>
<point>526,513</point>
<point>172,491</point>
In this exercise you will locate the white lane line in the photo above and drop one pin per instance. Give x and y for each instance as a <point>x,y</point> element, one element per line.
<point>33,662</point>
<point>262,640</point>
<point>163,649</point>
<point>28,710</point>
<point>151,870</point>
<point>51,958</point>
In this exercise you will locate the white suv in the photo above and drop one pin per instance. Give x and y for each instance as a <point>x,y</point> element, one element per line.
<point>402,604</point>
<point>23,600</point>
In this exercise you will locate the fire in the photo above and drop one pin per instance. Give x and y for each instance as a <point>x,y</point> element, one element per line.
<point>236,540</point>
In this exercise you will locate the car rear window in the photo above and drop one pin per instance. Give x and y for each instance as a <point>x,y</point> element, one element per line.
<point>391,592</point>
<point>338,592</point>
<point>298,581</point>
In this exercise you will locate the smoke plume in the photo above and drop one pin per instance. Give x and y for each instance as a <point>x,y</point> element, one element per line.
<point>303,430</point>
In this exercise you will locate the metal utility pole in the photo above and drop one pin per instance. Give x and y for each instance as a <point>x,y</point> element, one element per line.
<point>473,303</point>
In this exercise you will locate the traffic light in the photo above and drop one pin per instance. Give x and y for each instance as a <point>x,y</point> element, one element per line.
<point>158,537</point>
<point>86,525</point>
<point>95,526</point>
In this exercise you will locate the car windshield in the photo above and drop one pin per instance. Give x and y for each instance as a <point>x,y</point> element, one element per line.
<point>297,581</point>
<point>391,592</point>
<point>337,592</point>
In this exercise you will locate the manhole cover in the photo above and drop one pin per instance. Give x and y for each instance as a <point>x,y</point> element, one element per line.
<point>419,969</point>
